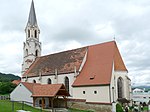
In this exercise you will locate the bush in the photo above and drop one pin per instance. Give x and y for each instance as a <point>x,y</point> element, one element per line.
<point>6,87</point>
<point>119,108</point>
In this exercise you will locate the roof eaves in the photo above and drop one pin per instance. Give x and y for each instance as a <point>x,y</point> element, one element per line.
<point>91,85</point>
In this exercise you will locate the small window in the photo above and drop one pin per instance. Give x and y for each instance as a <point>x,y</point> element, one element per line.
<point>92,77</point>
<point>35,34</point>
<point>49,81</point>
<point>144,97</point>
<point>34,81</point>
<point>83,92</point>
<point>26,52</point>
<point>28,33</point>
<point>67,83</point>
<point>95,92</point>
<point>36,53</point>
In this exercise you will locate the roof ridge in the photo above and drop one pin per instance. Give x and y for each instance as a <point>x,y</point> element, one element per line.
<point>76,48</point>
<point>63,51</point>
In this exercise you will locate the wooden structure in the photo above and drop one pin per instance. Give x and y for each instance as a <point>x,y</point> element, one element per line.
<point>50,92</point>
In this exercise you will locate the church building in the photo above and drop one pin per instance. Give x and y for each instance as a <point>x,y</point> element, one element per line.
<point>91,77</point>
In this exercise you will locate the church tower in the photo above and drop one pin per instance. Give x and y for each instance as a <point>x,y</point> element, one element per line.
<point>32,46</point>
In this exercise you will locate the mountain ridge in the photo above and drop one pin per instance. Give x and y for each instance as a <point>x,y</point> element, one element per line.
<point>8,77</point>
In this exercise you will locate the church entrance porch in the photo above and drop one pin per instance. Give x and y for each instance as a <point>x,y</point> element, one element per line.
<point>50,102</point>
<point>50,96</point>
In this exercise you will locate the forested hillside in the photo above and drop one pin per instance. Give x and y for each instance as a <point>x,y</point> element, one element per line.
<point>8,77</point>
<point>6,87</point>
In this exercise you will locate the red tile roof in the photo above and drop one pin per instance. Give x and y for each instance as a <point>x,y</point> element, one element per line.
<point>16,82</point>
<point>97,70</point>
<point>99,65</point>
<point>29,86</point>
<point>118,62</point>
<point>46,90</point>
<point>49,90</point>
<point>64,62</point>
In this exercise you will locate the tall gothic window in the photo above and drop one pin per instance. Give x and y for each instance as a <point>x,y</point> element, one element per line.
<point>28,33</point>
<point>49,81</point>
<point>35,34</point>
<point>120,87</point>
<point>36,53</point>
<point>67,83</point>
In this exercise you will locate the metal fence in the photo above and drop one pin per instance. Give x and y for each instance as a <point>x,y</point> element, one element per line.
<point>15,106</point>
<point>4,97</point>
<point>19,106</point>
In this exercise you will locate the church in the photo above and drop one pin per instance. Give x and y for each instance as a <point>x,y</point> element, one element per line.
<point>91,77</point>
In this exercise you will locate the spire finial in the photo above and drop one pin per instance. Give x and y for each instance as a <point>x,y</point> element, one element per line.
<point>114,38</point>
<point>32,16</point>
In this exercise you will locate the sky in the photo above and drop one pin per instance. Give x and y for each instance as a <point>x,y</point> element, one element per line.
<point>69,24</point>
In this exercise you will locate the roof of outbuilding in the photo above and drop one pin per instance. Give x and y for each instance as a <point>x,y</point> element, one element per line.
<point>49,90</point>
<point>16,82</point>
<point>64,62</point>
<point>29,86</point>
<point>46,90</point>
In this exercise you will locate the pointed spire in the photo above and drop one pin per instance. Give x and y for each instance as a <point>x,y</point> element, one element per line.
<point>32,16</point>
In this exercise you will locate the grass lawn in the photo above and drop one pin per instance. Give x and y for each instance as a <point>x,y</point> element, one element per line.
<point>146,108</point>
<point>6,106</point>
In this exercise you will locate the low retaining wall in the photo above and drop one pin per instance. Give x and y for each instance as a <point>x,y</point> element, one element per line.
<point>83,105</point>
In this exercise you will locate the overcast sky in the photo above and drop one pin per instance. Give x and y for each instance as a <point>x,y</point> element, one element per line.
<point>69,24</point>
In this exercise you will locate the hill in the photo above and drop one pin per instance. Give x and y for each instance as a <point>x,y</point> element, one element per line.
<point>8,77</point>
<point>144,87</point>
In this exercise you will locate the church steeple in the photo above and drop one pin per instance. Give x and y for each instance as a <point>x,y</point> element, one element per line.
<point>32,16</point>
<point>32,30</point>
<point>32,46</point>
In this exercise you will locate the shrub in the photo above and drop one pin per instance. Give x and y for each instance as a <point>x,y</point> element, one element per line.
<point>119,108</point>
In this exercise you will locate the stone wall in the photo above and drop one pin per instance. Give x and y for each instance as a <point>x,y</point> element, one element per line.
<point>96,107</point>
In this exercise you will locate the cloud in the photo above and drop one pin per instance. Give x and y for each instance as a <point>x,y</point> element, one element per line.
<point>75,23</point>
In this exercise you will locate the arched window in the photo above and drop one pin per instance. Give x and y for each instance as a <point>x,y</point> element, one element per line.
<point>34,81</point>
<point>49,81</point>
<point>28,33</point>
<point>120,87</point>
<point>36,53</point>
<point>26,52</point>
<point>35,34</point>
<point>67,83</point>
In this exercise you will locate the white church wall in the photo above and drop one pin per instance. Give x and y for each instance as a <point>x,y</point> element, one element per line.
<point>113,88</point>
<point>30,80</point>
<point>21,93</point>
<point>126,83</point>
<point>59,80</point>
<point>84,60</point>
<point>92,93</point>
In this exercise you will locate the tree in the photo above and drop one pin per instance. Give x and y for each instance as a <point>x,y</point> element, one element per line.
<point>119,108</point>
<point>6,87</point>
